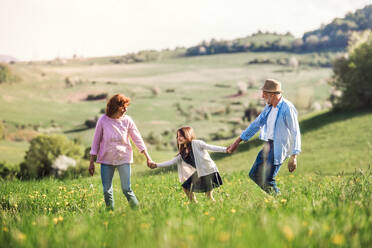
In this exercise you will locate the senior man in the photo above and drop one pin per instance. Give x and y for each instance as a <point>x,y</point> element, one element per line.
<point>280,130</point>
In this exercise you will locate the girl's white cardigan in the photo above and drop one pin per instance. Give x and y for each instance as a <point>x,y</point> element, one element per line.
<point>203,161</point>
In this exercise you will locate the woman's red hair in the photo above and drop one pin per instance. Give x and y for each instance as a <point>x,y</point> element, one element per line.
<point>117,101</point>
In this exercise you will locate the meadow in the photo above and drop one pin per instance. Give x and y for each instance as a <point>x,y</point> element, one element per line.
<point>326,202</point>
<point>208,84</point>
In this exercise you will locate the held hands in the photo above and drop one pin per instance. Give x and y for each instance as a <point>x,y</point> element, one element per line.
<point>151,164</point>
<point>232,148</point>
<point>292,163</point>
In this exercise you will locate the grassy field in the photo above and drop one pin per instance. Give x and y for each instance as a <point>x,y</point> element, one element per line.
<point>312,211</point>
<point>325,203</point>
<point>42,99</point>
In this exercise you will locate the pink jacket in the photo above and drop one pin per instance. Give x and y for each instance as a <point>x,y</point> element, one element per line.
<point>111,140</point>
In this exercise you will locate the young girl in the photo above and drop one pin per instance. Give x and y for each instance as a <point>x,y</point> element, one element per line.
<point>196,170</point>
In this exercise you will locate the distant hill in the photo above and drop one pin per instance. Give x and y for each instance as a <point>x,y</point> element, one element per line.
<point>331,37</point>
<point>336,34</point>
<point>6,58</point>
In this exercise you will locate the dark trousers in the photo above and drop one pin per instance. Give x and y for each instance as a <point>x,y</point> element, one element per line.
<point>263,171</point>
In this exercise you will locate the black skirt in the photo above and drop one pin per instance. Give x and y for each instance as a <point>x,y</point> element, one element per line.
<point>204,183</point>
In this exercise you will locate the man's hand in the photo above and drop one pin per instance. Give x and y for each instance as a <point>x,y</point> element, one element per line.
<point>91,168</point>
<point>292,163</point>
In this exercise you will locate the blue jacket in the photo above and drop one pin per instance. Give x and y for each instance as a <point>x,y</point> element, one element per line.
<point>287,137</point>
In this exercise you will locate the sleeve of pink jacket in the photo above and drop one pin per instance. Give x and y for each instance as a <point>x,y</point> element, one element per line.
<point>136,135</point>
<point>97,138</point>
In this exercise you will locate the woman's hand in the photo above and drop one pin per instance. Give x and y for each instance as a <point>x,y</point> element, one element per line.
<point>91,165</point>
<point>91,168</point>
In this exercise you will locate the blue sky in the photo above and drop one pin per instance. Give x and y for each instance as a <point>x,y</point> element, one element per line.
<point>44,29</point>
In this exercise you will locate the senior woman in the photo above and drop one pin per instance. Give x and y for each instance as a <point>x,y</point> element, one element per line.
<point>112,149</point>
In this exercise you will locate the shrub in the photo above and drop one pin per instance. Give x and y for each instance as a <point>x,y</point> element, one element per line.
<point>92,97</point>
<point>43,151</point>
<point>353,77</point>
<point>6,75</point>
<point>2,130</point>
<point>155,91</point>
<point>7,171</point>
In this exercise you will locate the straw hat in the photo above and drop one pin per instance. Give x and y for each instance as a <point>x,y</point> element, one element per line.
<point>272,86</point>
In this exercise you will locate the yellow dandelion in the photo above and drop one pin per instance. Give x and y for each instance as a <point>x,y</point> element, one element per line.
<point>233,211</point>
<point>338,239</point>
<point>105,223</point>
<point>55,221</point>
<point>60,219</point>
<point>267,200</point>
<point>288,233</point>
<point>223,236</point>
<point>145,226</point>
<point>212,218</point>
<point>5,229</point>
<point>283,200</point>
<point>19,236</point>
<point>44,195</point>
<point>206,213</point>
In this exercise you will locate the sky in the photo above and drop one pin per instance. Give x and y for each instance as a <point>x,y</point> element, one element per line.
<point>45,29</point>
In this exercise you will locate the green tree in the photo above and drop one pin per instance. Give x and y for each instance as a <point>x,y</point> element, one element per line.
<point>353,77</point>
<point>2,131</point>
<point>43,151</point>
<point>4,73</point>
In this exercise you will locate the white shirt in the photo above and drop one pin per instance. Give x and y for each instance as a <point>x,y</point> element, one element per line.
<point>271,123</point>
<point>204,163</point>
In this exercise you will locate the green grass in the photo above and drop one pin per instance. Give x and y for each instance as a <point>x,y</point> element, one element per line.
<point>312,211</point>
<point>325,203</point>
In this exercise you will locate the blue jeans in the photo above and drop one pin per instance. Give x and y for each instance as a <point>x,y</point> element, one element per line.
<point>263,171</point>
<point>107,174</point>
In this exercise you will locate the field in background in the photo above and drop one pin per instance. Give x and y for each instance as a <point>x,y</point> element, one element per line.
<point>325,203</point>
<point>204,84</point>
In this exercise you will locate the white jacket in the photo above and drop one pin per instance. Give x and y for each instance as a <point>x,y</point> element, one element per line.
<point>203,161</point>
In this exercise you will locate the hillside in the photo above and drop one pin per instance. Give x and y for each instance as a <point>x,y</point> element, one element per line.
<point>330,37</point>
<point>165,95</point>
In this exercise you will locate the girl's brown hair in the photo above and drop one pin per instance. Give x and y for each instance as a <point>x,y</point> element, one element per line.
<point>115,103</point>
<point>188,134</point>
